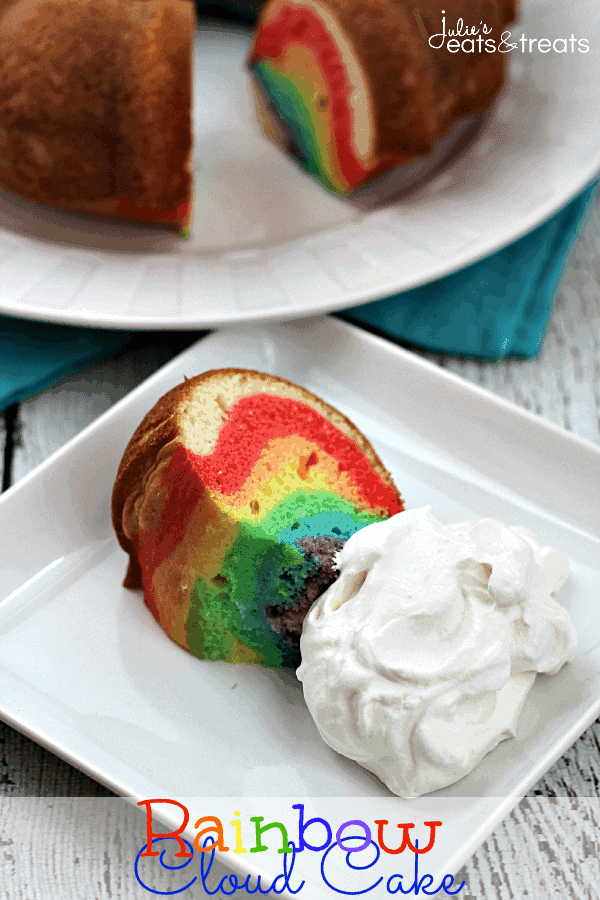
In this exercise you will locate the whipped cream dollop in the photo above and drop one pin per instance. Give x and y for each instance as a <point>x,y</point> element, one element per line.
<point>416,662</point>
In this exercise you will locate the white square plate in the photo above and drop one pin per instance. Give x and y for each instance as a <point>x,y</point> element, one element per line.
<point>86,671</point>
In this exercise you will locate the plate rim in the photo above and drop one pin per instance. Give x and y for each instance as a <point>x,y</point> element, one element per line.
<point>326,306</point>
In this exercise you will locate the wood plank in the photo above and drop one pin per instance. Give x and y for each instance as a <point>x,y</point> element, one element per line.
<point>545,850</point>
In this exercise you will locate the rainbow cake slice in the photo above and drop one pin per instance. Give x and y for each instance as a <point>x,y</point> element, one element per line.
<point>352,88</point>
<point>231,499</point>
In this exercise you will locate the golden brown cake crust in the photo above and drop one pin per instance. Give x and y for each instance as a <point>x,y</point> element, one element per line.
<point>421,91</point>
<point>464,84</point>
<point>95,102</point>
<point>162,426</point>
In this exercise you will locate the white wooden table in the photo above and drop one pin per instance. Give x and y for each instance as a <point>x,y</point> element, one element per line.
<point>547,849</point>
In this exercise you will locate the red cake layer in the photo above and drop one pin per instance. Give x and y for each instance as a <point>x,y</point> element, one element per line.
<point>259,418</point>
<point>127,209</point>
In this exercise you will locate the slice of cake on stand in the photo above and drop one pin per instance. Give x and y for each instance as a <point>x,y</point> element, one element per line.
<point>354,88</point>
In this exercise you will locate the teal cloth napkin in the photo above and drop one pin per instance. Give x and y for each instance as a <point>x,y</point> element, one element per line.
<point>35,355</point>
<point>496,307</point>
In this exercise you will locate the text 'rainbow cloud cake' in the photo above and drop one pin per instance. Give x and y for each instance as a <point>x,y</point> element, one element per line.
<point>232,498</point>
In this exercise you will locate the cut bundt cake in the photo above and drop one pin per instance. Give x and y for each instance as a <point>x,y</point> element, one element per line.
<point>95,106</point>
<point>232,498</point>
<point>355,87</point>
<point>95,95</point>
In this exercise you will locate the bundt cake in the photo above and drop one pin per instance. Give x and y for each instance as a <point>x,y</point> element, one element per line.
<point>95,106</point>
<point>95,95</point>
<point>232,498</point>
<point>355,87</point>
